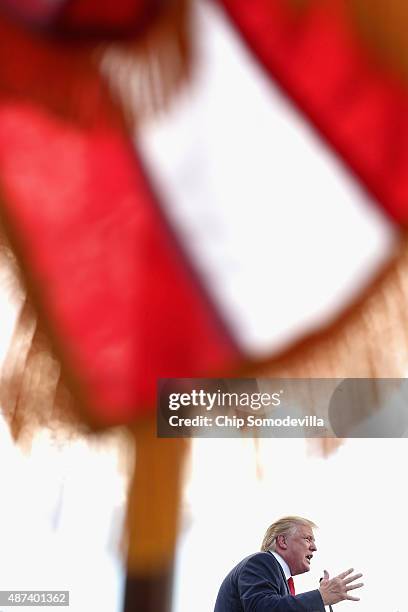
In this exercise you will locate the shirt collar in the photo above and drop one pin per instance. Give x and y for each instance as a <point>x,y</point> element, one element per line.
<point>282,563</point>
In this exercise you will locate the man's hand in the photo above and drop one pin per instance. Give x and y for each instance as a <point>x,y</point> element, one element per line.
<point>336,589</point>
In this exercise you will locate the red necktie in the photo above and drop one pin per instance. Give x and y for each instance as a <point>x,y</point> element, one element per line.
<point>291,585</point>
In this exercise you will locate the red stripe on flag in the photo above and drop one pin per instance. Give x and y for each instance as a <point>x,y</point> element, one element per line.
<point>120,301</point>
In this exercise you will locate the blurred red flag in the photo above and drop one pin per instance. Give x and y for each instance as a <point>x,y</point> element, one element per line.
<point>120,299</point>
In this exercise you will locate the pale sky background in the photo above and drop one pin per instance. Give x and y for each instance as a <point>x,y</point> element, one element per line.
<point>61,512</point>
<point>356,497</point>
<point>61,507</point>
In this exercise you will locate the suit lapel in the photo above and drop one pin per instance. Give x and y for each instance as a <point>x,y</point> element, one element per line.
<point>285,582</point>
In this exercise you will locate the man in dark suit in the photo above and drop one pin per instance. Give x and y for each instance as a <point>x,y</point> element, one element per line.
<point>263,581</point>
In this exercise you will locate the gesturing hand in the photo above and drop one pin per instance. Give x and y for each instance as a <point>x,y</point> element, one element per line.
<point>336,589</point>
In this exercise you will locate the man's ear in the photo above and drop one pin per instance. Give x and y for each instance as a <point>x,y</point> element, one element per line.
<point>281,541</point>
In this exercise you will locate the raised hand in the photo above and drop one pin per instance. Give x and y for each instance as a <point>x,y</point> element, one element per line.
<point>337,589</point>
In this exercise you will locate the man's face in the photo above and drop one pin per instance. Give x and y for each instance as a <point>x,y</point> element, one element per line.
<point>298,548</point>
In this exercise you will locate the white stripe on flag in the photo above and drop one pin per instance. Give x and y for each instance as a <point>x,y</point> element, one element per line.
<point>280,233</point>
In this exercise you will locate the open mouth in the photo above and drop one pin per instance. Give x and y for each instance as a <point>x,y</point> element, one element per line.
<point>309,558</point>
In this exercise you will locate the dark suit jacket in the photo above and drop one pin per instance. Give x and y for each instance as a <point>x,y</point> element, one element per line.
<point>258,584</point>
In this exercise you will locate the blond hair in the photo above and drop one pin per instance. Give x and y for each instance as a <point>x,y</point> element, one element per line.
<point>283,526</point>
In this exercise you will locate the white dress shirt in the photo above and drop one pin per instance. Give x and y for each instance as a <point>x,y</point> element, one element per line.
<point>282,563</point>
